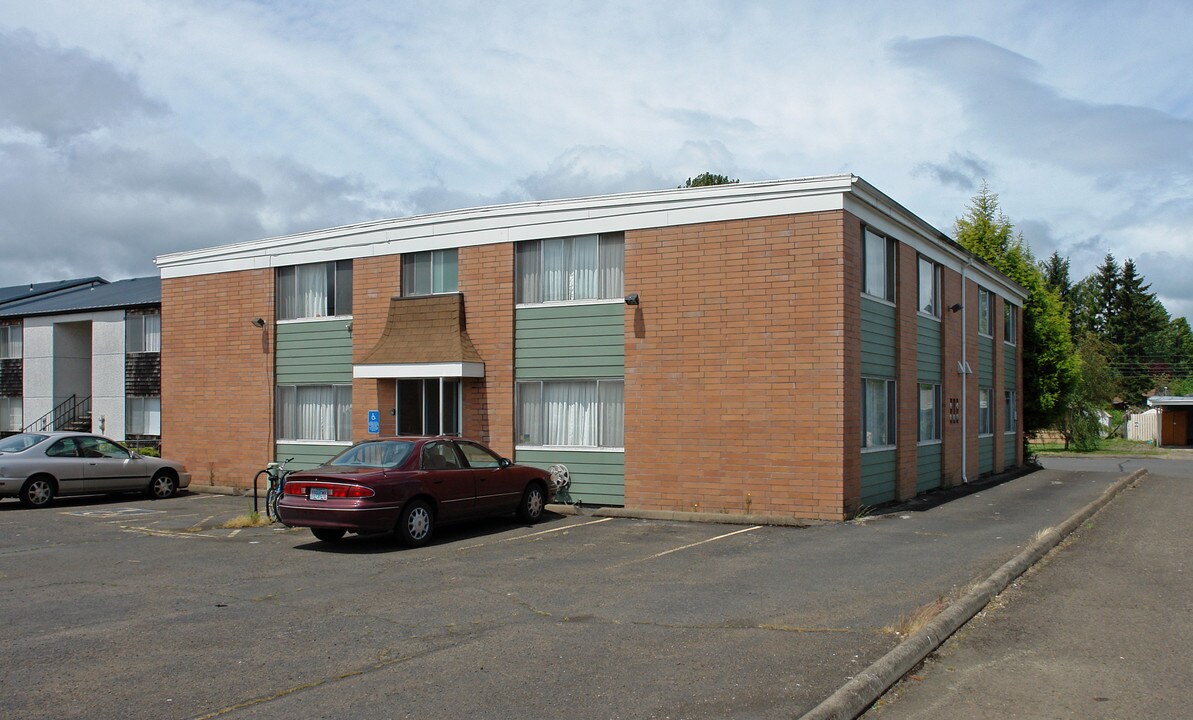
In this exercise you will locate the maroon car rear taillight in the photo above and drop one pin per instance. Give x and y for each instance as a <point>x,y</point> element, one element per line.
<point>334,490</point>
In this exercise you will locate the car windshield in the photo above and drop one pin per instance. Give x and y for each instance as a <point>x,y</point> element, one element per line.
<point>20,441</point>
<point>377,454</point>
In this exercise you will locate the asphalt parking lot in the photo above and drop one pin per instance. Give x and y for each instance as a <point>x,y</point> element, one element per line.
<point>129,608</point>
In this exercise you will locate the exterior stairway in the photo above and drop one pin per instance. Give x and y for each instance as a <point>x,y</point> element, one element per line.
<point>82,423</point>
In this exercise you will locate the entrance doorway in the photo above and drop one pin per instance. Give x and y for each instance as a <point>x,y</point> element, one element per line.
<point>428,406</point>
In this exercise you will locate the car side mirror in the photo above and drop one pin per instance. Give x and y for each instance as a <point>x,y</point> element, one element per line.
<point>504,462</point>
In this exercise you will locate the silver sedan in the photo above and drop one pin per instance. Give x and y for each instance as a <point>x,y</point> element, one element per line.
<point>36,467</point>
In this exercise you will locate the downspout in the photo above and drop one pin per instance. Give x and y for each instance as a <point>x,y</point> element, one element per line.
<point>964,370</point>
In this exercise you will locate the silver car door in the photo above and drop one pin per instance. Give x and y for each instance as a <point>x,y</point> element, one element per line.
<point>110,467</point>
<point>63,461</point>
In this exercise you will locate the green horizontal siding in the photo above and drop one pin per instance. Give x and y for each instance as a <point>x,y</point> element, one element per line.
<point>986,361</point>
<point>928,467</point>
<point>598,478</point>
<point>1009,365</point>
<point>928,354</point>
<point>986,454</point>
<point>307,456</point>
<point>878,339</point>
<point>878,477</point>
<point>569,341</point>
<point>1008,450</point>
<point>314,352</point>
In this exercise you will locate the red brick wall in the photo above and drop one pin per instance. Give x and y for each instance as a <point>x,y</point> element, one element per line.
<point>375,280</point>
<point>487,281</point>
<point>735,372</point>
<point>906,385</point>
<point>972,384</point>
<point>999,357</point>
<point>951,386</point>
<point>217,375</point>
<point>851,406</point>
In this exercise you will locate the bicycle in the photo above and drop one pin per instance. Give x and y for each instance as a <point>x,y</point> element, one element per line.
<point>276,474</point>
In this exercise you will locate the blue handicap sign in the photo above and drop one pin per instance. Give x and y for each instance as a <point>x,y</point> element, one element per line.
<point>375,422</point>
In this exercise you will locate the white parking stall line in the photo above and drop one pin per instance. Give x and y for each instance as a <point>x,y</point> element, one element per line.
<point>536,534</point>
<point>685,547</point>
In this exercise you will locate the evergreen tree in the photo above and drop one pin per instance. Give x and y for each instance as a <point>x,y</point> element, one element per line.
<point>1105,284</point>
<point>706,178</point>
<point>1050,366</point>
<point>1135,330</point>
<point>1056,277</point>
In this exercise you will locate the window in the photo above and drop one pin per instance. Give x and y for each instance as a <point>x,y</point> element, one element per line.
<point>930,412</point>
<point>428,273</point>
<point>144,416</point>
<point>589,267</point>
<point>878,413</point>
<point>1008,323</point>
<point>143,333</point>
<point>314,412</point>
<point>1010,412</point>
<point>929,275</point>
<point>11,414</point>
<point>429,406</point>
<point>572,413</point>
<point>10,342</point>
<point>314,291</point>
<point>985,313</point>
<point>985,412</point>
<point>878,261</point>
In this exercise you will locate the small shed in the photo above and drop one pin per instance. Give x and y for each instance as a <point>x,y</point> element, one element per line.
<point>1175,428</point>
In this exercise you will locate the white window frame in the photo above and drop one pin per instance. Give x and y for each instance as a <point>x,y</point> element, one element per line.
<point>870,387</point>
<point>933,281</point>
<point>986,414</point>
<point>436,260</point>
<point>935,390</point>
<point>878,252</point>
<point>985,313</point>
<point>610,271</point>
<point>1010,421</point>
<point>1009,325</point>
<point>143,333</point>
<point>337,302</point>
<point>11,341</point>
<point>139,410</point>
<point>341,414</point>
<point>531,413</point>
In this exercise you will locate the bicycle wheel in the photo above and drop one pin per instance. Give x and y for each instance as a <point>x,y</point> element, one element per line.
<point>271,501</point>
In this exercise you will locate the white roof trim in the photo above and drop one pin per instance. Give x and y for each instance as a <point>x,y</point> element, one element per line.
<point>1166,400</point>
<point>420,370</point>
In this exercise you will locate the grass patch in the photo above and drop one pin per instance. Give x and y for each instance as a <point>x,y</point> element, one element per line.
<point>248,520</point>
<point>910,623</point>
<point>1108,446</point>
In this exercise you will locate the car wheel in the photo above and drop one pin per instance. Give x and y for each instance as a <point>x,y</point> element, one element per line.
<point>530,510</point>
<point>415,524</point>
<point>162,486</point>
<point>328,534</point>
<point>37,492</point>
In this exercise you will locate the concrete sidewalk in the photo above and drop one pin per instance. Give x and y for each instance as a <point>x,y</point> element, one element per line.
<point>1101,628</point>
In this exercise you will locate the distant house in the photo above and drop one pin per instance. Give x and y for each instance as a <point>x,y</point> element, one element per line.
<point>82,354</point>
<point>1174,426</point>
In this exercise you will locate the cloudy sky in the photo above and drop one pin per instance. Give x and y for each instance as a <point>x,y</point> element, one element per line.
<point>130,129</point>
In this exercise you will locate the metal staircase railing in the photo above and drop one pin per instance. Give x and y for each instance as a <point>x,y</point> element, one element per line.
<point>65,412</point>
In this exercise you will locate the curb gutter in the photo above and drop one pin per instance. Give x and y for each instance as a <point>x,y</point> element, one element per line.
<point>684,516</point>
<point>857,695</point>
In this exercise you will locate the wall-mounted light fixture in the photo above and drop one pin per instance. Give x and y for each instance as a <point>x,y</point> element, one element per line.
<point>631,299</point>
<point>955,307</point>
<point>259,322</point>
<point>348,327</point>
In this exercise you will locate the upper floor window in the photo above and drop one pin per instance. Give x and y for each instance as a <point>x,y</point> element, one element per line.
<point>143,333</point>
<point>985,312</point>
<point>314,291</point>
<point>878,263</point>
<point>1008,323</point>
<point>588,267</point>
<point>10,342</point>
<point>431,272</point>
<point>929,275</point>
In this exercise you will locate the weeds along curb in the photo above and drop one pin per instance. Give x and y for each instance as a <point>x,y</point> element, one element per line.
<point>857,695</point>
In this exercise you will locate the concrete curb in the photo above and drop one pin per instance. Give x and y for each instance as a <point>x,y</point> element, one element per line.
<point>857,695</point>
<point>680,515</point>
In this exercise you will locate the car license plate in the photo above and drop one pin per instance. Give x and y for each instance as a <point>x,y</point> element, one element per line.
<point>318,493</point>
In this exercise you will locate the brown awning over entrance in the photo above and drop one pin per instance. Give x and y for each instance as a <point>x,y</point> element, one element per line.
<point>424,337</point>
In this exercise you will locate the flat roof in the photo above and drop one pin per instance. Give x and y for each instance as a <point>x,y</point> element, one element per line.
<point>135,292</point>
<point>590,215</point>
<point>1168,400</point>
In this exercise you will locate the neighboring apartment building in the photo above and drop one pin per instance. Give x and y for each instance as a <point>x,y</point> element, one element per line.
<point>83,355</point>
<point>796,348</point>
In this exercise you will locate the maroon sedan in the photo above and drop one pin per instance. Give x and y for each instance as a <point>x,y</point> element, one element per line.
<point>407,485</point>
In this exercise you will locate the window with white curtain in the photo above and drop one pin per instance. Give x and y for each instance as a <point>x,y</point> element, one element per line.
<point>985,312</point>
<point>314,412</point>
<point>11,414</point>
<point>929,281</point>
<point>143,416</point>
<point>878,413</point>
<point>571,413</point>
<point>571,269</point>
<point>10,342</point>
<point>431,272</point>
<point>143,333</point>
<point>314,291</point>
